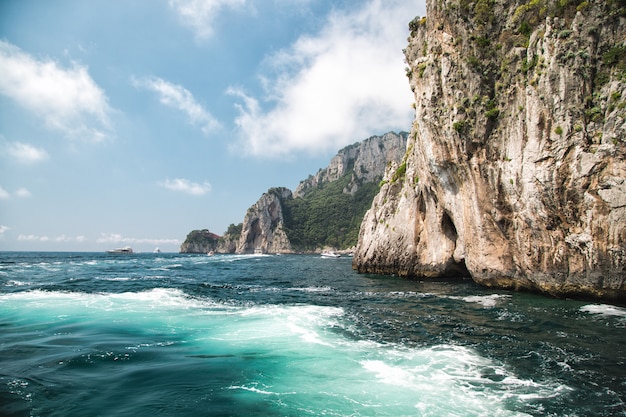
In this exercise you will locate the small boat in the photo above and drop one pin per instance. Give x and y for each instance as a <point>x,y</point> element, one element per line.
<point>156,250</point>
<point>126,250</point>
<point>330,255</point>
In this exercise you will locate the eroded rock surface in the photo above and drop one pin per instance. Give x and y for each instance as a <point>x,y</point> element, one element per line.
<point>515,171</point>
<point>263,225</point>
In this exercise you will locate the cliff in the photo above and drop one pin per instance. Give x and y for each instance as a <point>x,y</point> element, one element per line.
<point>327,208</point>
<point>263,226</point>
<point>515,170</point>
<point>364,161</point>
<point>228,242</point>
<point>199,241</point>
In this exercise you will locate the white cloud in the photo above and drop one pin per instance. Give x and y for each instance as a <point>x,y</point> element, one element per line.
<point>186,186</point>
<point>4,229</point>
<point>25,153</point>
<point>57,239</point>
<point>33,238</point>
<point>67,99</point>
<point>346,82</point>
<point>4,194</point>
<point>180,98</point>
<point>200,15</point>
<point>64,238</point>
<point>116,238</point>
<point>20,192</point>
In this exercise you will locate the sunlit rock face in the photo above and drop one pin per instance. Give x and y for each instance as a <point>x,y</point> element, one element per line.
<point>264,229</point>
<point>515,170</point>
<point>199,241</point>
<point>263,226</point>
<point>366,160</point>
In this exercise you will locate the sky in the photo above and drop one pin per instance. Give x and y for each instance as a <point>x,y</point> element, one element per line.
<point>132,123</point>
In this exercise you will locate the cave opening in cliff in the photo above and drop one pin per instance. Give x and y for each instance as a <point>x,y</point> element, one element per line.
<point>254,235</point>
<point>448,228</point>
<point>454,269</point>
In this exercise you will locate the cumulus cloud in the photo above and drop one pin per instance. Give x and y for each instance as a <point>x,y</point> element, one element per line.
<point>56,239</point>
<point>116,238</point>
<point>33,238</point>
<point>326,90</point>
<point>4,229</point>
<point>64,238</point>
<point>180,98</point>
<point>67,99</point>
<point>199,15</point>
<point>20,192</point>
<point>185,186</point>
<point>25,153</point>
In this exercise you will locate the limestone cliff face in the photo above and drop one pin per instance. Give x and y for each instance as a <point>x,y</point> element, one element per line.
<point>228,242</point>
<point>366,160</point>
<point>264,228</point>
<point>199,241</point>
<point>227,245</point>
<point>263,225</point>
<point>515,170</point>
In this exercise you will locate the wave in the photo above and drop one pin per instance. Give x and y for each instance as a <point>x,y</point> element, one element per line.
<point>487,301</point>
<point>297,357</point>
<point>604,310</point>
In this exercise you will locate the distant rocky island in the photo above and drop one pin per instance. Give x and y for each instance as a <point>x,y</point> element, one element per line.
<point>324,212</point>
<point>515,170</point>
<point>200,241</point>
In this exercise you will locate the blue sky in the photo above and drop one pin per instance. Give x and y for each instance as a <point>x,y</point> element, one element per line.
<point>135,122</point>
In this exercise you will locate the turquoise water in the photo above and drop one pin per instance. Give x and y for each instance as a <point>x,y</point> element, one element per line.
<point>90,334</point>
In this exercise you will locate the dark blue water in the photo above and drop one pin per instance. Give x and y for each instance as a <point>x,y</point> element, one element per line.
<point>89,334</point>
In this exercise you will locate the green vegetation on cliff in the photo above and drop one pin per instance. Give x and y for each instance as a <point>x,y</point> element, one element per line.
<point>233,231</point>
<point>199,241</point>
<point>326,216</point>
<point>509,51</point>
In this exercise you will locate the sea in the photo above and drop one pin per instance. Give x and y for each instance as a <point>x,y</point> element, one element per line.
<point>95,334</point>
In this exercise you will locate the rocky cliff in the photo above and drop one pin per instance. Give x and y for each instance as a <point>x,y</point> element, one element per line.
<point>327,208</point>
<point>228,242</point>
<point>263,226</point>
<point>515,171</point>
<point>199,241</point>
<point>365,161</point>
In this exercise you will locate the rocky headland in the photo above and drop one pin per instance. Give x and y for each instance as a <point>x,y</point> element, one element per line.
<point>325,210</point>
<point>515,169</point>
<point>200,241</point>
<point>263,227</point>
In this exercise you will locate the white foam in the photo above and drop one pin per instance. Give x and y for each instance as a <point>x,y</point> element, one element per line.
<point>128,301</point>
<point>15,283</point>
<point>487,301</point>
<point>115,279</point>
<point>256,390</point>
<point>453,380</point>
<point>299,351</point>
<point>311,289</point>
<point>604,309</point>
